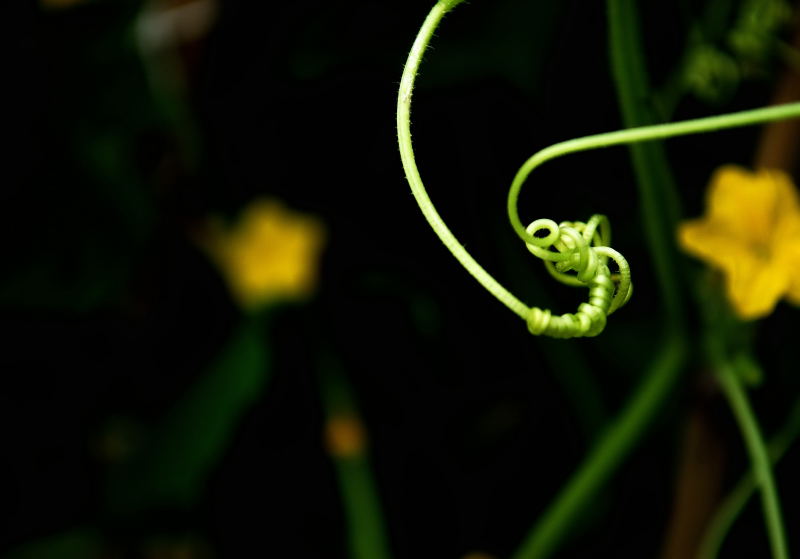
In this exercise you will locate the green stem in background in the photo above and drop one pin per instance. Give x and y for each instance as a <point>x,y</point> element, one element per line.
<point>365,526</point>
<point>412,173</point>
<point>760,462</point>
<point>173,468</point>
<point>736,500</point>
<point>578,378</point>
<point>366,534</point>
<point>658,198</point>
<point>611,449</point>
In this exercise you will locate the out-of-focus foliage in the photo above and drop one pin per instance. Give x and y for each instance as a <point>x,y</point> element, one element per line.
<point>157,387</point>
<point>732,43</point>
<point>77,544</point>
<point>172,468</point>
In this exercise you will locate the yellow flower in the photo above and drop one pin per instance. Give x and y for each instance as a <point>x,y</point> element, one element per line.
<point>270,254</point>
<point>751,232</point>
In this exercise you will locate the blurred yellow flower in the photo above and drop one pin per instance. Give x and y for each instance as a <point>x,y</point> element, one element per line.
<point>270,254</point>
<point>751,232</point>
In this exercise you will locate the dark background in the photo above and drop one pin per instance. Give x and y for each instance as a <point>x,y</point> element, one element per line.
<point>109,309</point>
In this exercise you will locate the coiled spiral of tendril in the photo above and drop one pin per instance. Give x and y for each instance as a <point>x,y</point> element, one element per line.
<point>577,254</point>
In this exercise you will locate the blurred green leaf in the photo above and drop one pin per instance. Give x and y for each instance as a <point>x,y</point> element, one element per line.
<point>85,209</point>
<point>172,470</point>
<point>80,543</point>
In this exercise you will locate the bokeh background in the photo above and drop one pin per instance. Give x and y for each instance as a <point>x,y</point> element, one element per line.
<point>147,413</point>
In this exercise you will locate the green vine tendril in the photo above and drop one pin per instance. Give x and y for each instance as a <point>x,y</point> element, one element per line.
<point>574,253</point>
<point>582,248</point>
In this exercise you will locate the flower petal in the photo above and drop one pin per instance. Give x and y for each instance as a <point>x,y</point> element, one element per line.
<point>748,205</point>
<point>712,243</point>
<point>754,282</point>
<point>754,287</point>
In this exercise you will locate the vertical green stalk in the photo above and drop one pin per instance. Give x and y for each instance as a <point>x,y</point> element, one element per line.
<point>759,460</point>
<point>736,500</point>
<point>366,535</point>
<point>659,202</point>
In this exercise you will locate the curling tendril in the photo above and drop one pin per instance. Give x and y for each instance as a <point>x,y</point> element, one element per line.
<point>574,253</point>
<point>581,248</point>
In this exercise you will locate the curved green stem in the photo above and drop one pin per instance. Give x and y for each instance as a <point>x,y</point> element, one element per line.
<point>412,173</point>
<point>762,470</point>
<point>610,450</point>
<point>736,500</point>
<point>641,134</point>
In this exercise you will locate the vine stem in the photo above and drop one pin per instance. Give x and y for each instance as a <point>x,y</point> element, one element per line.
<point>634,135</point>
<point>754,441</point>
<point>412,173</point>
